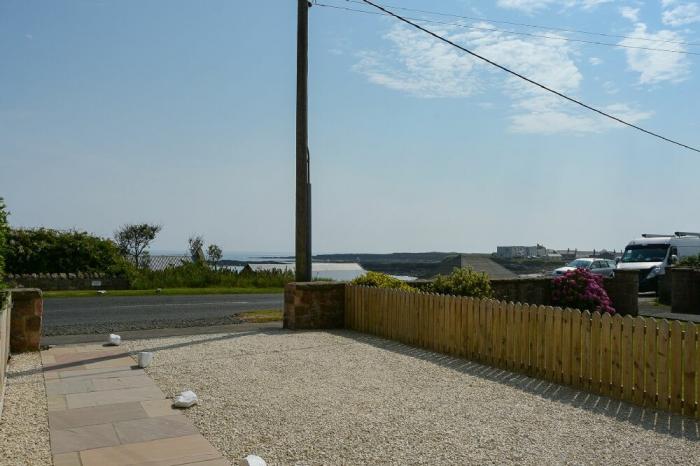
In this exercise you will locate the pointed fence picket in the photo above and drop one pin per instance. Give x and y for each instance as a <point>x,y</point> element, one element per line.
<point>647,362</point>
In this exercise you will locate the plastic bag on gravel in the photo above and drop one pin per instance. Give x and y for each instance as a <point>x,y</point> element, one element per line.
<point>252,460</point>
<point>115,340</point>
<point>185,399</point>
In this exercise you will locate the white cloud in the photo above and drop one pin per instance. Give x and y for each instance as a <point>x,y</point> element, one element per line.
<point>630,13</point>
<point>421,66</point>
<point>681,15</point>
<point>595,61</point>
<point>655,67</point>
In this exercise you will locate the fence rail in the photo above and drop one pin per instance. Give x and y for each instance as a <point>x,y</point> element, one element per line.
<point>644,361</point>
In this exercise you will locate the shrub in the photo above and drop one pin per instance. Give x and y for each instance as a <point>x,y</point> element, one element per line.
<point>381,280</point>
<point>43,250</point>
<point>583,290</point>
<point>463,282</point>
<point>690,261</point>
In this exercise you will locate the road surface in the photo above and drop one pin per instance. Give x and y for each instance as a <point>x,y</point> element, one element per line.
<point>103,314</point>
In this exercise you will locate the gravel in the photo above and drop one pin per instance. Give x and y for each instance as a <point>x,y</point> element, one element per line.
<point>24,427</point>
<point>343,397</point>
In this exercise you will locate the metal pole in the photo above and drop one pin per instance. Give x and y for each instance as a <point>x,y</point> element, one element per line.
<point>303,185</point>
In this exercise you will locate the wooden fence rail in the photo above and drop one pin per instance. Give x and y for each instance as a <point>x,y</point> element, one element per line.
<point>644,361</point>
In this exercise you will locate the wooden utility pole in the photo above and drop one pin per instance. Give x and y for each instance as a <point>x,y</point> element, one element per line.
<point>303,188</point>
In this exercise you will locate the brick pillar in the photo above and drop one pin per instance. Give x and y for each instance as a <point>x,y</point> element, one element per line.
<point>623,290</point>
<point>685,290</point>
<point>314,305</point>
<point>25,319</point>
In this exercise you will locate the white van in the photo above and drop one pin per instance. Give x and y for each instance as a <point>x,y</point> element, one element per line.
<point>651,254</point>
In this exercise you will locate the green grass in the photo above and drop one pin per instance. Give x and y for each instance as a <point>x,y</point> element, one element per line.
<point>164,292</point>
<point>257,317</point>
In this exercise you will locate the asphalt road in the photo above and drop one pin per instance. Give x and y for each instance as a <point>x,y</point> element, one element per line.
<point>103,314</point>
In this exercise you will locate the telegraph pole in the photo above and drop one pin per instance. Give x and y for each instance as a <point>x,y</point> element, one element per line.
<point>303,185</point>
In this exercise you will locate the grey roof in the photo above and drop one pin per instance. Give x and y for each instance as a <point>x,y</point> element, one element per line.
<point>478,263</point>
<point>163,262</point>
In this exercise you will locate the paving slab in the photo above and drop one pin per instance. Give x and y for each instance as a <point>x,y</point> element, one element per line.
<point>103,410</point>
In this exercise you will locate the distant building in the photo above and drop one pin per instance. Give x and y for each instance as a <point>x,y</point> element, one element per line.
<point>521,252</point>
<point>164,262</point>
<point>319,270</point>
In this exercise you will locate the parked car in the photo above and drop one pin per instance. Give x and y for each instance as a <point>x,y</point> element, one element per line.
<point>597,266</point>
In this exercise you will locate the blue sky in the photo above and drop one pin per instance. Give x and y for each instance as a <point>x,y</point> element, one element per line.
<point>182,113</point>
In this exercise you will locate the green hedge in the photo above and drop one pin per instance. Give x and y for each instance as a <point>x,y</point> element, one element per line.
<point>382,280</point>
<point>44,250</point>
<point>199,275</point>
<point>463,282</point>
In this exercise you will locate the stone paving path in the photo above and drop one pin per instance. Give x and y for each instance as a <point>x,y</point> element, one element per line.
<point>103,410</point>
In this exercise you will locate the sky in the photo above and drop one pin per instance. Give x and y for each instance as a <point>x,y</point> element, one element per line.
<point>182,113</point>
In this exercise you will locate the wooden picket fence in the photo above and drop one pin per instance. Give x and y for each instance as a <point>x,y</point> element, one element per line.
<point>644,361</point>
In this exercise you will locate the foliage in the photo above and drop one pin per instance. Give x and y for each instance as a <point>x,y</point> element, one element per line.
<point>214,254</point>
<point>690,261</point>
<point>133,239</point>
<point>4,230</point>
<point>381,280</point>
<point>195,246</point>
<point>581,289</point>
<point>43,250</point>
<point>463,282</point>
<point>199,275</point>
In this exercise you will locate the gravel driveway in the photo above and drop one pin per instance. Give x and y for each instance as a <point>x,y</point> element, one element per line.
<point>344,397</point>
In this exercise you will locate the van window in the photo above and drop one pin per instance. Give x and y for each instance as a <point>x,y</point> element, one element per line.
<point>645,253</point>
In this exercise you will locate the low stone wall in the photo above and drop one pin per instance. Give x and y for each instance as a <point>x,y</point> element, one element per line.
<point>685,290</point>
<point>623,290</point>
<point>314,305</point>
<point>524,290</point>
<point>5,307</point>
<point>68,281</point>
<point>25,319</point>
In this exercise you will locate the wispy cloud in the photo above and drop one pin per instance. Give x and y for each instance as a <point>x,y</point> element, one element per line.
<point>655,67</point>
<point>630,13</point>
<point>680,15</point>
<point>421,66</point>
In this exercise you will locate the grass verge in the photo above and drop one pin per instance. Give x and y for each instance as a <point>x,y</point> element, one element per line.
<point>257,317</point>
<point>163,292</point>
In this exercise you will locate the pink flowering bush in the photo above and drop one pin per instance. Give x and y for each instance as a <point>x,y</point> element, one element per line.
<point>583,290</point>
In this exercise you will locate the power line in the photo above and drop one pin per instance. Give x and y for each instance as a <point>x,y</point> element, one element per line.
<point>478,28</point>
<point>524,78</point>
<point>529,25</point>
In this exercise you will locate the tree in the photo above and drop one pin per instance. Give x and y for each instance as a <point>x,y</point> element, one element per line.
<point>133,239</point>
<point>196,248</point>
<point>214,252</point>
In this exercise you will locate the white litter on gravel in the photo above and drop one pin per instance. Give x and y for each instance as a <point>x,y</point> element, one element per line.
<point>343,397</point>
<point>24,427</point>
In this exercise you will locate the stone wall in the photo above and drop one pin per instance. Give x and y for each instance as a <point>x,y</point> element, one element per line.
<point>314,305</point>
<point>623,290</point>
<point>523,290</point>
<point>25,319</point>
<point>5,306</point>
<point>685,290</point>
<point>68,281</point>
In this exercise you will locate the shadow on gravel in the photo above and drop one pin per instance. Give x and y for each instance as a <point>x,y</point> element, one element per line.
<point>650,419</point>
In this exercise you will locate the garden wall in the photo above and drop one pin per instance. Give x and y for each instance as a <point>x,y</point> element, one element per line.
<point>68,281</point>
<point>685,290</point>
<point>5,306</point>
